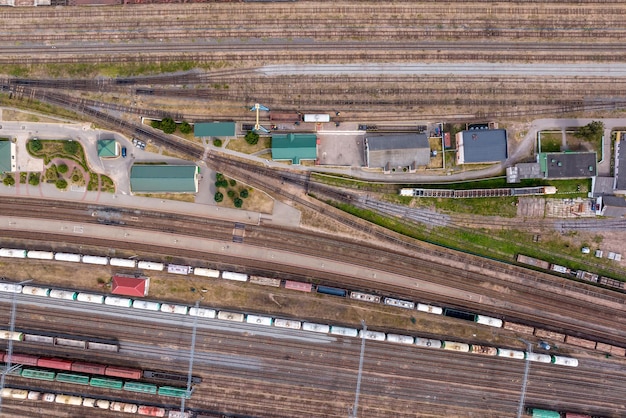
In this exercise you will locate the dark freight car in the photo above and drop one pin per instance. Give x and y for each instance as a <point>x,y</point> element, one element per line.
<point>454,313</point>
<point>331,291</point>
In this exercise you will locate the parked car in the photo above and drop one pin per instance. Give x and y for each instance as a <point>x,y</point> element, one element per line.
<point>123,152</point>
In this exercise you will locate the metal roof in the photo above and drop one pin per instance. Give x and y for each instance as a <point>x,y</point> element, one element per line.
<point>397,150</point>
<point>107,148</point>
<point>160,178</point>
<point>5,156</point>
<point>620,165</point>
<point>214,129</point>
<point>482,146</point>
<point>130,286</point>
<point>294,147</point>
<point>568,164</point>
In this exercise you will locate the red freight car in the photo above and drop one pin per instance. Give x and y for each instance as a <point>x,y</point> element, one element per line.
<point>24,359</point>
<point>152,411</point>
<point>123,372</point>
<point>285,117</point>
<point>54,363</point>
<point>303,287</point>
<point>89,368</point>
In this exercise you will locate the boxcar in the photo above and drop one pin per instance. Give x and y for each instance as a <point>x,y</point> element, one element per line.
<point>265,281</point>
<point>38,374</point>
<point>331,291</point>
<point>150,265</point>
<point>89,368</point>
<point>12,253</point>
<point>35,291</point>
<point>454,346</point>
<point>372,335</point>
<point>230,316</point>
<point>200,271</point>
<point>72,258</point>
<point>287,323</point>
<point>102,382</point>
<point>147,305</point>
<point>302,287</point>
<point>94,259</point>
<point>399,303</point>
<point>533,261</point>
<point>122,262</point>
<point>401,339</point>
<point>202,312</point>
<point>429,309</point>
<point>172,391</point>
<point>63,294</point>
<point>455,313</point>
<point>115,301</point>
<point>66,342</point>
<point>123,372</point>
<point>140,387</point>
<point>177,309</point>
<point>40,255</point>
<point>260,320</point>
<point>92,345</point>
<point>345,331</point>
<point>25,359</point>
<point>76,379</point>
<point>151,411</point>
<point>178,269</point>
<point>564,361</point>
<point>514,354</point>
<point>54,363</point>
<point>365,297</point>
<point>91,298</point>
<point>238,277</point>
<point>321,328</point>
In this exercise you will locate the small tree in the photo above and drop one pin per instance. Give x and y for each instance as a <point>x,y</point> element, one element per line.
<point>185,128</point>
<point>35,145</point>
<point>156,124</point>
<point>218,197</point>
<point>221,183</point>
<point>168,125</point>
<point>9,180</point>
<point>70,147</point>
<point>61,184</point>
<point>252,138</point>
<point>219,176</point>
<point>244,193</point>
<point>217,142</point>
<point>231,194</point>
<point>238,202</point>
<point>62,168</point>
<point>33,179</point>
<point>232,182</point>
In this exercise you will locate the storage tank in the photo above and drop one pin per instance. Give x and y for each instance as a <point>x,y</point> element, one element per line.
<point>115,301</point>
<point>202,312</point>
<point>150,265</point>
<point>122,262</point>
<point>177,309</point>
<point>373,335</point>
<point>514,354</point>
<point>63,294</point>
<point>401,339</point>
<point>90,297</point>
<point>259,320</point>
<point>287,323</point>
<point>346,332</point>
<point>94,259</point>
<point>310,326</point>
<point>147,305</point>
<point>200,271</point>
<point>12,253</point>
<point>40,255</point>
<point>35,291</point>
<point>72,258</point>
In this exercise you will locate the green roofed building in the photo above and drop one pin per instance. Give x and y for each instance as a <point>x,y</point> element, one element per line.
<point>294,147</point>
<point>161,178</point>
<point>219,129</point>
<point>7,156</point>
<point>108,148</point>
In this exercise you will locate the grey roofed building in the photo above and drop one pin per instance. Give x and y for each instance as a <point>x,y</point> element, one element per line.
<point>397,151</point>
<point>161,178</point>
<point>620,167</point>
<point>481,146</point>
<point>570,165</point>
<point>603,186</point>
<point>613,206</point>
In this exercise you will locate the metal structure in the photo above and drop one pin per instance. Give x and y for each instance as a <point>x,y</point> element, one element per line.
<point>257,126</point>
<point>191,354</point>
<point>520,407</point>
<point>353,412</point>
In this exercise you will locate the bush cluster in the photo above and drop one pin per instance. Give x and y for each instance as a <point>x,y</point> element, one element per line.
<point>221,182</point>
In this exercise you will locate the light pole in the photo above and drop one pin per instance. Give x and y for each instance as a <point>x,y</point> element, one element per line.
<point>358,378</point>
<point>520,408</point>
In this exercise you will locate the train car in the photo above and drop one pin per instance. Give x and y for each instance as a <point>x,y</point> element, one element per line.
<point>67,342</point>
<point>287,323</point>
<point>123,372</point>
<point>231,275</point>
<point>151,411</point>
<point>151,374</point>
<point>607,281</point>
<point>146,305</point>
<point>372,335</point>
<point>75,379</point>
<point>581,342</point>
<point>539,358</point>
<point>559,269</point>
<point>94,259</point>
<point>549,335</point>
<point>564,361</point>
<point>514,354</point>
<point>522,329</point>
<point>72,258</point>
<point>69,400</point>
<point>177,269</point>
<point>92,345</point>
<point>10,288</point>
<point>96,403</point>
<point>317,118</point>
<point>124,407</point>
<point>524,259</point>
<point>333,291</point>
<point>484,350</point>
<point>230,316</point>
<point>202,312</point>
<point>36,291</point>
<point>24,359</point>
<point>200,271</point>
<point>150,265</point>
<point>103,382</point>
<point>12,253</point>
<point>575,415</point>
<point>89,368</point>
<point>90,298</point>
<point>302,287</point>
<point>38,374</point>
<point>487,320</point>
<point>54,363</point>
<point>48,397</point>
<point>123,262</point>
<point>586,276</point>
<point>265,281</point>
<point>400,339</point>
<point>321,328</point>
<point>14,393</point>
<point>429,309</point>
<point>259,320</point>
<point>34,395</point>
<point>115,301</point>
<point>63,294</point>
<point>173,391</point>
<point>345,331</point>
<point>140,387</point>
<point>455,313</point>
<point>11,335</point>
<point>365,297</point>
<point>285,117</point>
<point>178,414</point>
<point>176,309</point>
<point>543,413</point>
<point>454,346</point>
<point>399,303</point>
<point>40,255</point>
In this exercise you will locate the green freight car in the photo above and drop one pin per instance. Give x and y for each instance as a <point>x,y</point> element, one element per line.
<point>140,387</point>
<point>38,374</point>
<point>77,379</point>
<point>172,391</point>
<point>543,413</point>
<point>101,382</point>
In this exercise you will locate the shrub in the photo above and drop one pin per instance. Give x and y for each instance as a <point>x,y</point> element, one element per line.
<point>33,179</point>
<point>232,182</point>
<point>244,193</point>
<point>61,184</point>
<point>217,142</point>
<point>252,138</point>
<point>168,125</point>
<point>70,147</point>
<point>238,202</point>
<point>75,178</point>
<point>62,168</point>
<point>35,145</point>
<point>218,197</point>
<point>231,194</point>
<point>156,124</point>
<point>221,183</point>
<point>219,176</point>
<point>9,180</point>
<point>185,128</point>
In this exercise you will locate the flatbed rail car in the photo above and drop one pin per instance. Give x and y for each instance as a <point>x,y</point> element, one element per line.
<point>287,117</point>
<point>530,261</point>
<point>175,377</point>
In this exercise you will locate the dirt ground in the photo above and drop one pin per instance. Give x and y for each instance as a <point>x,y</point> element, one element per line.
<point>16,115</point>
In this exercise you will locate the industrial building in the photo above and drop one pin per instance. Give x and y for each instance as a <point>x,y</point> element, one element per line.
<point>294,147</point>
<point>7,156</point>
<point>403,152</point>
<point>568,165</point>
<point>214,129</point>
<point>620,166</point>
<point>108,148</point>
<point>162,178</point>
<point>481,146</point>
<point>130,286</point>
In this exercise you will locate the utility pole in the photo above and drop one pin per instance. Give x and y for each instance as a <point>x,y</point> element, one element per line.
<point>353,413</point>
<point>191,354</point>
<point>520,408</point>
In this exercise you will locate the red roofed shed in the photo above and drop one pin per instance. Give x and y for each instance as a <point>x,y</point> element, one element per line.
<point>130,286</point>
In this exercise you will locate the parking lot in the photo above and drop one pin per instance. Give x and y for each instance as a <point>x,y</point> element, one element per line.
<point>341,149</point>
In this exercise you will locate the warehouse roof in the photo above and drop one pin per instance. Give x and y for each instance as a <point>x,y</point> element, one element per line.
<point>397,151</point>
<point>214,129</point>
<point>6,156</point>
<point>568,164</point>
<point>161,178</point>
<point>620,165</point>
<point>481,146</point>
<point>130,286</point>
<point>107,148</point>
<point>294,147</point>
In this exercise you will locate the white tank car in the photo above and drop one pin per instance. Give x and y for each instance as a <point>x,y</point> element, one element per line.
<point>287,323</point>
<point>425,342</point>
<point>63,294</point>
<point>36,291</point>
<point>239,277</point>
<point>310,326</point>
<point>12,253</point>
<point>565,361</point>
<point>540,358</point>
<point>345,331</point>
<point>49,397</point>
<point>40,255</point>
<point>406,304</point>
<point>150,265</point>
<point>429,309</point>
<point>90,297</point>
<point>455,346</point>
<point>514,354</point>
<point>14,393</point>
<point>69,400</point>
<point>202,312</point>
<point>177,309</point>
<point>201,271</point>
<point>72,258</point>
<point>11,288</point>
<point>230,316</point>
<point>487,320</point>
<point>122,262</point>
<point>373,335</point>
<point>94,259</point>
<point>146,305</point>
<point>34,395</point>
<point>115,301</point>
<point>401,339</point>
<point>260,320</point>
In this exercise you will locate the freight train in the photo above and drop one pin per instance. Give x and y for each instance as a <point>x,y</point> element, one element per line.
<point>59,341</point>
<point>544,413</point>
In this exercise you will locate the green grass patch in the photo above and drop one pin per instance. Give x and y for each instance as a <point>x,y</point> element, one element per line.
<point>489,206</point>
<point>107,184</point>
<point>551,141</point>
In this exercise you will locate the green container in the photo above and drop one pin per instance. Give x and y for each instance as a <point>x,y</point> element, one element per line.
<point>38,374</point>
<point>140,387</point>
<point>542,413</point>
<point>76,379</point>
<point>101,382</point>
<point>172,391</point>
